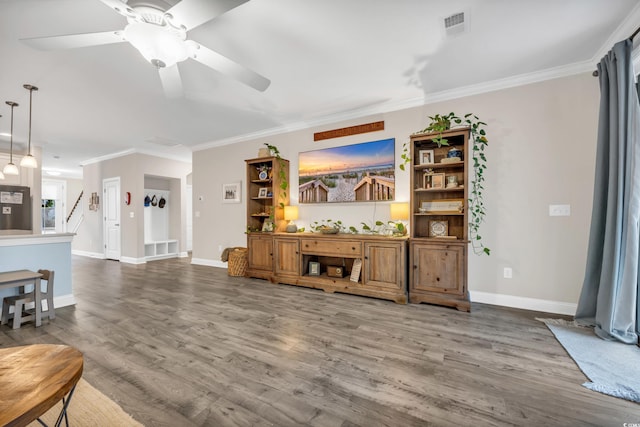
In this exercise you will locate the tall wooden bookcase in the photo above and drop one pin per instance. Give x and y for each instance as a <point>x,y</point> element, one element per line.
<point>264,198</point>
<point>439,222</point>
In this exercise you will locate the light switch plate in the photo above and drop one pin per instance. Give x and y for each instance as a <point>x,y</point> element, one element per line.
<point>559,210</point>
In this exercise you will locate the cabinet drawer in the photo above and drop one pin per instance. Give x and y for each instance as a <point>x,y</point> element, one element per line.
<point>332,247</point>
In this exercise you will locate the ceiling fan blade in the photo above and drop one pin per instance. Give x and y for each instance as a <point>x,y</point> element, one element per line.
<point>122,8</point>
<point>171,82</point>
<point>71,41</point>
<point>226,66</point>
<point>192,13</point>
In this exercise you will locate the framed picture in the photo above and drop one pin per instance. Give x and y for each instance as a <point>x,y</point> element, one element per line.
<point>262,193</point>
<point>267,225</point>
<point>425,157</point>
<point>443,205</point>
<point>314,268</point>
<point>231,193</point>
<point>362,172</point>
<point>438,228</point>
<point>437,180</point>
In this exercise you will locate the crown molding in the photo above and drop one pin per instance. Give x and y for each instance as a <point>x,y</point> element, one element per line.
<point>624,30</point>
<point>462,92</point>
<point>135,151</point>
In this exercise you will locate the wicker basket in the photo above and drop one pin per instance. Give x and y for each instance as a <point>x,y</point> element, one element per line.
<point>238,262</point>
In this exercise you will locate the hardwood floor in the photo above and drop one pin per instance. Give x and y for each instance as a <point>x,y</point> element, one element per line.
<point>181,345</point>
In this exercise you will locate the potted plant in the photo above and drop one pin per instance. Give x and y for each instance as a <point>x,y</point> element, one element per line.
<point>284,184</point>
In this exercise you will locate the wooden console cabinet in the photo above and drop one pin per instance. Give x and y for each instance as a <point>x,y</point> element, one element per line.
<point>286,258</point>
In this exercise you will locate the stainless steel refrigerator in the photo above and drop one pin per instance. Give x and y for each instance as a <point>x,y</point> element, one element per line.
<point>15,208</point>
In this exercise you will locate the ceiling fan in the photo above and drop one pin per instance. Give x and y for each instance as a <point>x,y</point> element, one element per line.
<point>158,30</point>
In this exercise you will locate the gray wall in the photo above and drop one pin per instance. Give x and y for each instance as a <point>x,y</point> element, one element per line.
<point>542,151</point>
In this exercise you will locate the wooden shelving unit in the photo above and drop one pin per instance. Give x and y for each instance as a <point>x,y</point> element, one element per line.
<point>439,222</point>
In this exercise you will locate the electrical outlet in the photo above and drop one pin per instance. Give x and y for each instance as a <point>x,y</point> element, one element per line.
<point>559,210</point>
<point>219,248</point>
<point>508,273</point>
<point>132,214</point>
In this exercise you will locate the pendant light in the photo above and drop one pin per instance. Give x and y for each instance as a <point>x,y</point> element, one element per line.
<point>29,161</point>
<point>1,174</point>
<point>10,168</point>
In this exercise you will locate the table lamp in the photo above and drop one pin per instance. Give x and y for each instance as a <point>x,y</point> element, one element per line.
<point>400,212</point>
<point>291,214</point>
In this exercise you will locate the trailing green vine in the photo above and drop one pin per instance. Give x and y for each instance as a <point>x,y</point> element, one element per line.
<point>441,123</point>
<point>282,175</point>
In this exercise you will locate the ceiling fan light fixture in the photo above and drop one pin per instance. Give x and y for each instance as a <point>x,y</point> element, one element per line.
<point>162,46</point>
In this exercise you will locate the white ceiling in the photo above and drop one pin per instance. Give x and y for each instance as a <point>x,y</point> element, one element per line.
<point>326,59</point>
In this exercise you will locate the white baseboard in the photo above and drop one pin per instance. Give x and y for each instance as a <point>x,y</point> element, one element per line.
<point>534,304</point>
<point>88,254</point>
<point>209,262</point>
<point>183,255</point>
<point>131,260</point>
<point>64,301</point>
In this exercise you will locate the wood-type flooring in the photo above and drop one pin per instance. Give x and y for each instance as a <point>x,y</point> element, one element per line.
<point>177,344</point>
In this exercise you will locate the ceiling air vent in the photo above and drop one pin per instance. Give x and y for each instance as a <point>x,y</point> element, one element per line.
<point>455,24</point>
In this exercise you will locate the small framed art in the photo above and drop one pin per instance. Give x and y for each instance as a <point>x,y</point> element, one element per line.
<point>438,228</point>
<point>437,180</point>
<point>314,268</point>
<point>231,193</point>
<point>262,193</point>
<point>425,157</point>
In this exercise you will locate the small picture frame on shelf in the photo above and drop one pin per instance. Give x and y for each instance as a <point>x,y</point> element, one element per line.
<point>438,228</point>
<point>426,157</point>
<point>267,226</point>
<point>437,180</point>
<point>314,268</point>
<point>262,193</point>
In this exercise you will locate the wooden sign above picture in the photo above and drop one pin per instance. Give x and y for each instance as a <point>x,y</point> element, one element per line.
<point>351,130</point>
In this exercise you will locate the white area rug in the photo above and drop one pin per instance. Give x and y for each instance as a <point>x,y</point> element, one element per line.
<point>612,367</point>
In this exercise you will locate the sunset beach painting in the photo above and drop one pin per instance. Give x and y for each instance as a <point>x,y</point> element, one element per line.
<point>350,173</point>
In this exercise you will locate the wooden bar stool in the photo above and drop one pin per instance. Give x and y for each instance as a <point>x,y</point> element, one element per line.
<point>20,314</point>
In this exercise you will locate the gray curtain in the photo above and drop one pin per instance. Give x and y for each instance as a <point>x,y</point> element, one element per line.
<point>609,298</point>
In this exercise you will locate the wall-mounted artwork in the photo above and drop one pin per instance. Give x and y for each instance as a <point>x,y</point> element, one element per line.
<point>350,173</point>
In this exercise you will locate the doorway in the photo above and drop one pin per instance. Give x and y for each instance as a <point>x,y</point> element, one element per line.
<point>112,238</point>
<point>54,194</point>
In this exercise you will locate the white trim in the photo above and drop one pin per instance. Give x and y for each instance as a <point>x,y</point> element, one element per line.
<point>533,304</point>
<point>172,156</point>
<point>64,301</point>
<point>131,260</point>
<point>88,254</point>
<point>183,255</point>
<point>163,256</point>
<point>491,86</point>
<point>35,239</point>
<point>209,262</point>
<point>624,30</point>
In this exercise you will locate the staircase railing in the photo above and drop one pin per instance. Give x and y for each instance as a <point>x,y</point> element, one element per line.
<point>75,206</point>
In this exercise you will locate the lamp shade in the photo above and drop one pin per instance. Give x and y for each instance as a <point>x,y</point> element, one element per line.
<point>10,169</point>
<point>29,161</point>
<point>399,211</point>
<point>290,213</point>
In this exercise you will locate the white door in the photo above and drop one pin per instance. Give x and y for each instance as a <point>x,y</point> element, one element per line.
<point>189,218</point>
<point>111,203</point>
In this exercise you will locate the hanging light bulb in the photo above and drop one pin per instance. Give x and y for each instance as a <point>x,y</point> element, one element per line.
<point>29,161</point>
<point>10,168</point>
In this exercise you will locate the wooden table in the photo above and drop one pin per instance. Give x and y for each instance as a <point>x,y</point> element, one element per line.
<point>33,378</point>
<point>13,279</point>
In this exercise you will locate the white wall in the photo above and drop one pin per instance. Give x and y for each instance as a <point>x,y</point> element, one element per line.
<point>541,151</point>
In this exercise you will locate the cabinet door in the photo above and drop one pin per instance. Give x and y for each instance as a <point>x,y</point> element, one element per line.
<point>287,256</point>
<point>384,265</point>
<point>438,268</point>
<point>260,252</point>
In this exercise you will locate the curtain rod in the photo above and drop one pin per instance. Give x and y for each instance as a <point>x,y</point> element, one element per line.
<point>635,33</point>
